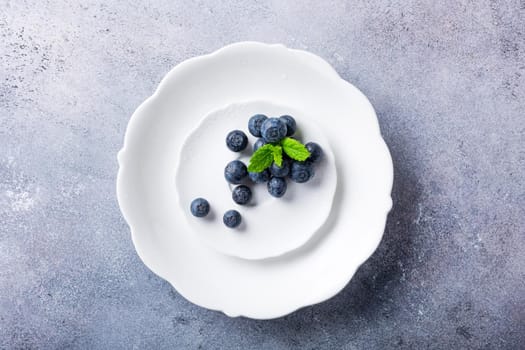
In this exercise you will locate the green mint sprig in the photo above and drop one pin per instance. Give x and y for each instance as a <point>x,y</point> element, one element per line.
<point>262,158</point>
<point>294,149</point>
<point>277,155</point>
<point>269,153</point>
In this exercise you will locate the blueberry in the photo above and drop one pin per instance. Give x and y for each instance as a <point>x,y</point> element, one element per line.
<point>254,124</point>
<point>200,207</point>
<point>236,140</point>
<point>283,170</point>
<point>277,186</point>
<point>273,130</point>
<point>232,218</point>
<point>241,194</point>
<point>258,144</point>
<point>301,171</point>
<point>261,177</point>
<point>235,171</point>
<point>316,152</point>
<point>290,124</point>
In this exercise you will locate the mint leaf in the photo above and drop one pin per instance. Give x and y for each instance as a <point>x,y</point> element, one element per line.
<point>294,149</point>
<point>278,155</point>
<point>261,159</point>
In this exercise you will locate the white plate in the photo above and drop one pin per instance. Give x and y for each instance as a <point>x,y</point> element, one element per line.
<point>241,73</point>
<point>270,226</point>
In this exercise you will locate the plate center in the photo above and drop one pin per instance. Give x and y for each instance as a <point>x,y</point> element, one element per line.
<point>270,226</point>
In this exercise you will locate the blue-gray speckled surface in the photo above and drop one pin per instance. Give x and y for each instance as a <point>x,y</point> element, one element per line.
<point>448,81</point>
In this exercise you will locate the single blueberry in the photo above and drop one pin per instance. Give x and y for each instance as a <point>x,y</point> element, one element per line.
<point>232,218</point>
<point>200,207</point>
<point>258,144</point>
<point>236,140</point>
<point>273,130</point>
<point>235,171</point>
<point>254,124</point>
<point>283,170</point>
<point>316,152</point>
<point>261,177</point>
<point>241,194</point>
<point>290,124</point>
<point>277,186</point>
<point>301,171</point>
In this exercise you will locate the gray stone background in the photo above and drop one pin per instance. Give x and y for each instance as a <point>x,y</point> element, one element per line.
<point>447,79</point>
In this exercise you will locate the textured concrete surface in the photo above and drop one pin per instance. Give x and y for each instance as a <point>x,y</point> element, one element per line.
<point>448,81</point>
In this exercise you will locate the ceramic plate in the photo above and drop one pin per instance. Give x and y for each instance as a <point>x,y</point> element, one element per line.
<point>262,233</point>
<point>247,273</point>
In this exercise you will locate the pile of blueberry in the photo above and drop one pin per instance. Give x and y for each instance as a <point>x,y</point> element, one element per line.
<point>276,156</point>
